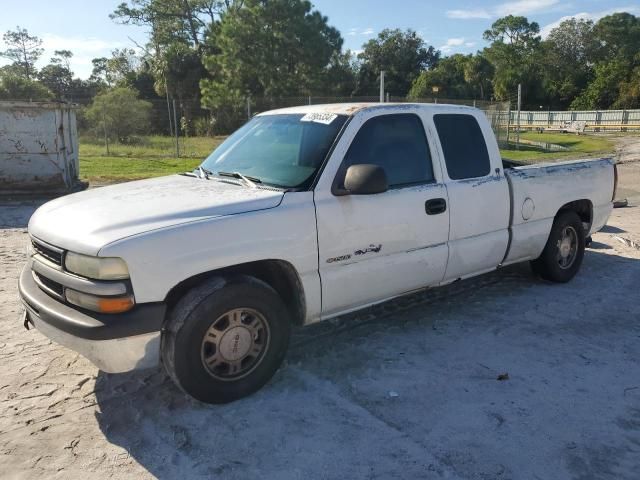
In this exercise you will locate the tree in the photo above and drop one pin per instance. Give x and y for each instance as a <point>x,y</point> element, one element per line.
<point>567,60</point>
<point>119,112</point>
<point>18,87</point>
<point>339,78</point>
<point>617,64</point>
<point>24,50</point>
<point>448,76</point>
<point>478,72</point>
<point>260,54</point>
<point>514,30</point>
<point>618,36</point>
<point>603,91</point>
<point>178,29</point>
<point>186,21</point>
<point>629,92</point>
<point>402,55</point>
<point>100,73</point>
<point>62,57</point>
<point>515,55</point>
<point>57,76</point>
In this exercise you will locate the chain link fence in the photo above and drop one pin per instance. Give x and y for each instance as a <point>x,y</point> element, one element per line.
<point>141,138</point>
<point>184,120</point>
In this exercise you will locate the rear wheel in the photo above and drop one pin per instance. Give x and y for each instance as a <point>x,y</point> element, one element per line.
<point>225,339</point>
<point>562,255</point>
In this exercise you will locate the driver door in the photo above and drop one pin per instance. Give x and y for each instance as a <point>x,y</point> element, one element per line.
<point>375,247</point>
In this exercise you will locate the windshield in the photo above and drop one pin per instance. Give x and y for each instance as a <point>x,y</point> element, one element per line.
<point>281,150</point>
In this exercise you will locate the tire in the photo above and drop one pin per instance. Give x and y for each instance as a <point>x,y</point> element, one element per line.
<point>559,263</point>
<point>226,338</point>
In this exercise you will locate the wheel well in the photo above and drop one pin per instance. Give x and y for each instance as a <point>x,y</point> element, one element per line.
<point>280,275</point>
<point>584,209</point>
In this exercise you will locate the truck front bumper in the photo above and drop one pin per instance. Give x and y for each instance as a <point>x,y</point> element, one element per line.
<point>114,343</point>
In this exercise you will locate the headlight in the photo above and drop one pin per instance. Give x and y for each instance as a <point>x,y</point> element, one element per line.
<point>99,304</point>
<point>99,268</point>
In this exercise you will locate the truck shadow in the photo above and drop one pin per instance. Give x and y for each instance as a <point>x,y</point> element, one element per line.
<point>311,414</point>
<point>16,214</point>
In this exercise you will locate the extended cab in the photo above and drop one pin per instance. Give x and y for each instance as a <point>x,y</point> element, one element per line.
<point>303,214</point>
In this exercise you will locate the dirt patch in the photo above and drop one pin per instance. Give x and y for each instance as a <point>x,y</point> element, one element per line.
<point>405,390</point>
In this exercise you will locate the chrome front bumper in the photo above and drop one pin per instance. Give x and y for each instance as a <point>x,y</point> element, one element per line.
<point>114,343</point>
<point>112,356</point>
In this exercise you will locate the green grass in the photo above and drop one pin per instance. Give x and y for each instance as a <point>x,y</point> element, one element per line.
<point>580,146</point>
<point>155,156</point>
<point>152,156</point>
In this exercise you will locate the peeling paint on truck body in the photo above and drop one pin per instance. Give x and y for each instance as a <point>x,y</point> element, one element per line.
<point>38,147</point>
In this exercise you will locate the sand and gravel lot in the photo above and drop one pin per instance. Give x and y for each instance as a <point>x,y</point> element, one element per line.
<point>406,390</point>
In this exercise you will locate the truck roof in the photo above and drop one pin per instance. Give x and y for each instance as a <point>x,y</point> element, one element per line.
<point>352,108</point>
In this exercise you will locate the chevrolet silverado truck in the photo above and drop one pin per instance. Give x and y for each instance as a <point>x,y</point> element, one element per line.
<point>301,215</point>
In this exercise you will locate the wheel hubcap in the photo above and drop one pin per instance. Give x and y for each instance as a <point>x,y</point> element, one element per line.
<point>235,343</point>
<point>567,247</point>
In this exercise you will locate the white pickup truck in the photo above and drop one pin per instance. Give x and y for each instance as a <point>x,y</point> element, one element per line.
<point>303,214</point>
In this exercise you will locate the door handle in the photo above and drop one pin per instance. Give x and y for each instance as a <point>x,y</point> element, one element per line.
<point>435,206</point>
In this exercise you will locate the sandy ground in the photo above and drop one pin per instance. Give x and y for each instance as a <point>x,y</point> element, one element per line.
<point>406,390</point>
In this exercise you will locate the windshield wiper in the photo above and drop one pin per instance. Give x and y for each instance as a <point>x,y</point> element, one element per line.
<point>251,181</point>
<point>204,173</point>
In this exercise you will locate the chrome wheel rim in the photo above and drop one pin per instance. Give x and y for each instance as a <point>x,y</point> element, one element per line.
<point>567,247</point>
<point>235,344</point>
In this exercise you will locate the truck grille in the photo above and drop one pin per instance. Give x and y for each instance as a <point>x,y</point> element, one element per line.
<point>52,288</point>
<point>54,256</point>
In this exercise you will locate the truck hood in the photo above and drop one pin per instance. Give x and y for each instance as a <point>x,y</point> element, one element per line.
<point>85,222</point>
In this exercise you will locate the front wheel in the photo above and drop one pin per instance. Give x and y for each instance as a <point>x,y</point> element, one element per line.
<point>562,255</point>
<point>226,338</point>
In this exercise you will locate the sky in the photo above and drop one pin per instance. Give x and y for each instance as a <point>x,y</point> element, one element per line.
<point>452,26</point>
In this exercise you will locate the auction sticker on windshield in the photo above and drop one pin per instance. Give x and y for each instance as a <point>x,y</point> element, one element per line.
<point>324,118</point>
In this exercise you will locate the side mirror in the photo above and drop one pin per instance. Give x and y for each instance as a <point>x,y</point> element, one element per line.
<point>365,179</point>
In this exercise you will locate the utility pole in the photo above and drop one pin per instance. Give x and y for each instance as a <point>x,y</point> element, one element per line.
<point>382,72</point>
<point>518,118</point>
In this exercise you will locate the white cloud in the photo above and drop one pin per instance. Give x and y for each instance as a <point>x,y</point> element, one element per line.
<point>469,44</point>
<point>356,31</point>
<point>467,14</point>
<point>523,7</point>
<point>78,45</point>
<point>451,44</point>
<point>519,7</point>
<point>84,50</point>
<point>595,16</point>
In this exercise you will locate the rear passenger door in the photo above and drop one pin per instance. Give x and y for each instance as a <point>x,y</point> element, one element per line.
<point>373,247</point>
<point>478,195</point>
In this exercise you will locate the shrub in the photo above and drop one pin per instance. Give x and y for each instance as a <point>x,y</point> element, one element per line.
<point>121,113</point>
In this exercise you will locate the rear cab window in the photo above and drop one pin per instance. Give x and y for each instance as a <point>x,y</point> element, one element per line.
<point>463,145</point>
<point>398,144</point>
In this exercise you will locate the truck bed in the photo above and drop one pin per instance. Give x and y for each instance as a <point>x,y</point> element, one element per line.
<point>537,191</point>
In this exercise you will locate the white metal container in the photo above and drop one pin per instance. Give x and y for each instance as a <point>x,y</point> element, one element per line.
<point>38,147</point>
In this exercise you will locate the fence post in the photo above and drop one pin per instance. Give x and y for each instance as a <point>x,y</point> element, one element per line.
<point>168,109</point>
<point>175,123</point>
<point>248,108</point>
<point>518,119</point>
<point>508,122</point>
<point>382,86</point>
<point>104,126</point>
<point>309,99</point>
